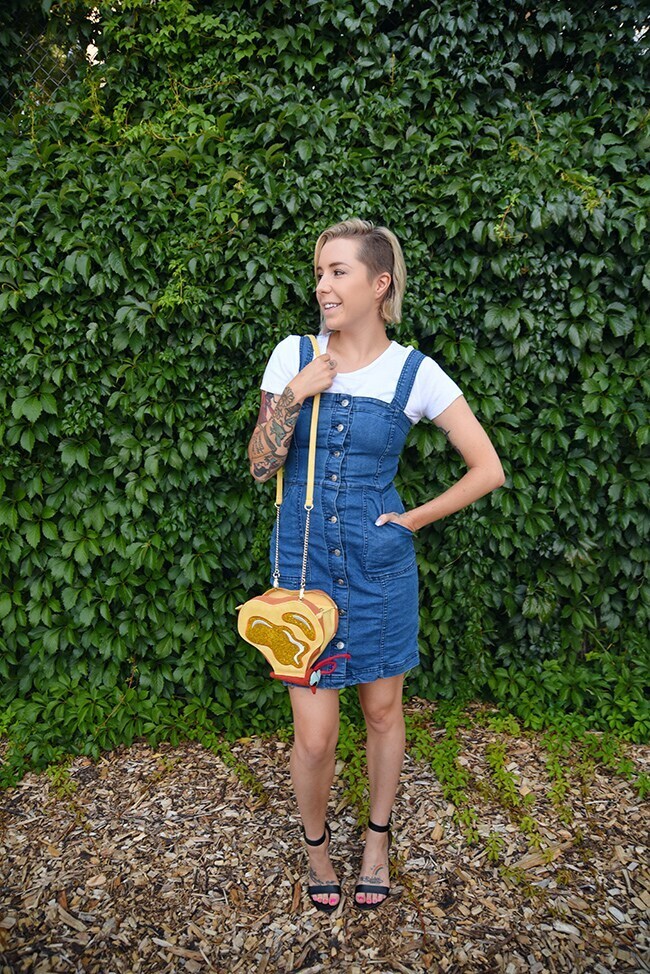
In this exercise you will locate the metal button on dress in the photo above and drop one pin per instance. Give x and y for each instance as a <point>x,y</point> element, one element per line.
<point>337,453</point>
<point>345,402</point>
<point>340,644</point>
<point>337,551</point>
<point>333,519</point>
<point>340,581</point>
<point>340,427</point>
<point>334,477</point>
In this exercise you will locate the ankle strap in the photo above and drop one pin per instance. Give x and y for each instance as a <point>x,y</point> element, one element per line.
<point>317,841</point>
<point>379,828</point>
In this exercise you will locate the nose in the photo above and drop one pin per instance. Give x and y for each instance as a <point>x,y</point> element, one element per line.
<point>322,286</point>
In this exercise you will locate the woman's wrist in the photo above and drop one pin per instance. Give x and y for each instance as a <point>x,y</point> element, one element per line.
<point>410,521</point>
<point>296,390</point>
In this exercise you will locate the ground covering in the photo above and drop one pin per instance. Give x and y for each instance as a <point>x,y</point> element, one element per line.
<point>513,851</point>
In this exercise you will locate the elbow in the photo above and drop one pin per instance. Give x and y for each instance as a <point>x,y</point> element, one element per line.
<point>492,476</point>
<point>257,472</point>
<point>258,475</point>
<point>498,477</point>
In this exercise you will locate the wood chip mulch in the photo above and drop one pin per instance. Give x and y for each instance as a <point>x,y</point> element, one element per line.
<point>159,860</point>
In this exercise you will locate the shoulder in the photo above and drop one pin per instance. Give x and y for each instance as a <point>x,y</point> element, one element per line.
<point>397,354</point>
<point>429,368</point>
<point>282,365</point>
<point>433,390</point>
<point>286,355</point>
<point>401,354</point>
<point>287,346</point>
<point>433,383</point>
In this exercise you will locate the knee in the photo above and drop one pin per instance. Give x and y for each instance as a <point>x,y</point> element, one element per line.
<point>314,750</point>
<point>384,718</point>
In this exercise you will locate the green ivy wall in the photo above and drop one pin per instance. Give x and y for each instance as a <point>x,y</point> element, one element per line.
<point>158,216</point>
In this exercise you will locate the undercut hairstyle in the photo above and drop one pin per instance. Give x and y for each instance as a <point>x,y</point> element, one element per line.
<point>380,251</point>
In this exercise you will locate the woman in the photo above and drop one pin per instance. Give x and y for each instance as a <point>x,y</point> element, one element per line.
<point>361,539</point>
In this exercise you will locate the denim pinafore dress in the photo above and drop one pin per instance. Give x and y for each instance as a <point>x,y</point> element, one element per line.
<point>369,571</point>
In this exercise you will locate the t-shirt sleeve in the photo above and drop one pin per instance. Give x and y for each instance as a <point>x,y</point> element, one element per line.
<point>283,365</point>
<point>433,390</point>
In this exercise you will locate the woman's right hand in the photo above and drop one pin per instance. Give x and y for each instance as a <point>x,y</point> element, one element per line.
<point>316,377</point>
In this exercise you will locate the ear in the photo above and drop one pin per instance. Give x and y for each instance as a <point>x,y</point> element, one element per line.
<point>382,284</point>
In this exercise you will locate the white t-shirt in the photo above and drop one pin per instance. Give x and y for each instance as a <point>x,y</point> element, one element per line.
<point>432,390</point>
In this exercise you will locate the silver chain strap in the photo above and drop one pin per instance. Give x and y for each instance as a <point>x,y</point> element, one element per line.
<point>303,575</point>
<point>276,573</point>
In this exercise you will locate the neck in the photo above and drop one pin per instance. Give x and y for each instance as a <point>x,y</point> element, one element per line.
<point>360,343</point>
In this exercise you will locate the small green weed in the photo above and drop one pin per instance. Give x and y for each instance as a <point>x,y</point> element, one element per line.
<point>494,844</point>
<point>506,783</point>
<point>642,784</point>
<point>564,877</point>
<point>558,747</point>
<point>593,750</point>
<point>285,734</point>
<point>500,723</point>
<point>530,828</point>
<point>61,784</point>
<point>246,776</point>
<point>352,753</point>
<point>63,789</point>
<point>516,876</point>
<point>442,755</point>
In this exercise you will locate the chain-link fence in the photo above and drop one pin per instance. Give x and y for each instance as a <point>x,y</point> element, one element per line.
<point>45,63</point>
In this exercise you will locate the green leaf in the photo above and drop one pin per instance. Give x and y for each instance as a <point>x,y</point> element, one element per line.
<point>33,534</point>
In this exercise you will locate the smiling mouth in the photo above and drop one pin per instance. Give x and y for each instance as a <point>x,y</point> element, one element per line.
<point>330,306</point>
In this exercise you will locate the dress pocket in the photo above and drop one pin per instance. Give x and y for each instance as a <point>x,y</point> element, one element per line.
<point>400,527</point>
<point>389,550</point>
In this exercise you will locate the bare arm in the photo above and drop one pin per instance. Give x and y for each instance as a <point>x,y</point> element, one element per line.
<point>271,439</point>
<point>484,473</point>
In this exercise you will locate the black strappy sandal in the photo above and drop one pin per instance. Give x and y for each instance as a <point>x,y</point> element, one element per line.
<point>367,887</point>
<point>329,888</point>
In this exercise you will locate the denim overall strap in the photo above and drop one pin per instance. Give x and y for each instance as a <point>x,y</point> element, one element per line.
<point>407,378</point>
<point>306,351</point>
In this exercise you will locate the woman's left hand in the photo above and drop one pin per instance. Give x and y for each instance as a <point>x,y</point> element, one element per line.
<point>402,519</point>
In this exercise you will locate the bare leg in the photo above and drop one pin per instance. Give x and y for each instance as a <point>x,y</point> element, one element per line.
<point>316,731</point>
<point>381,702</point>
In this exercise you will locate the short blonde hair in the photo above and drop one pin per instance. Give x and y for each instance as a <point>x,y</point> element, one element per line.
<point>380,251</point>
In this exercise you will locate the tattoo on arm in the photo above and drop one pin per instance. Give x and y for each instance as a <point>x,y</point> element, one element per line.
<point>447,432</point>
<point>273,433</point>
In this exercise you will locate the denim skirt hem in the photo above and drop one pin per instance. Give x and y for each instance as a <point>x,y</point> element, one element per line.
<point>367,676</point>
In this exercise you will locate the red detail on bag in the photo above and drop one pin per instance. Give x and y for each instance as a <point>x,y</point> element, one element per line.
<point>327,666</point>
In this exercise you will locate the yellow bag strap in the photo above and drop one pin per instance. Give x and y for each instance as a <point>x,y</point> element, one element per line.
<point>309,494</point>
<point>311,461</point>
